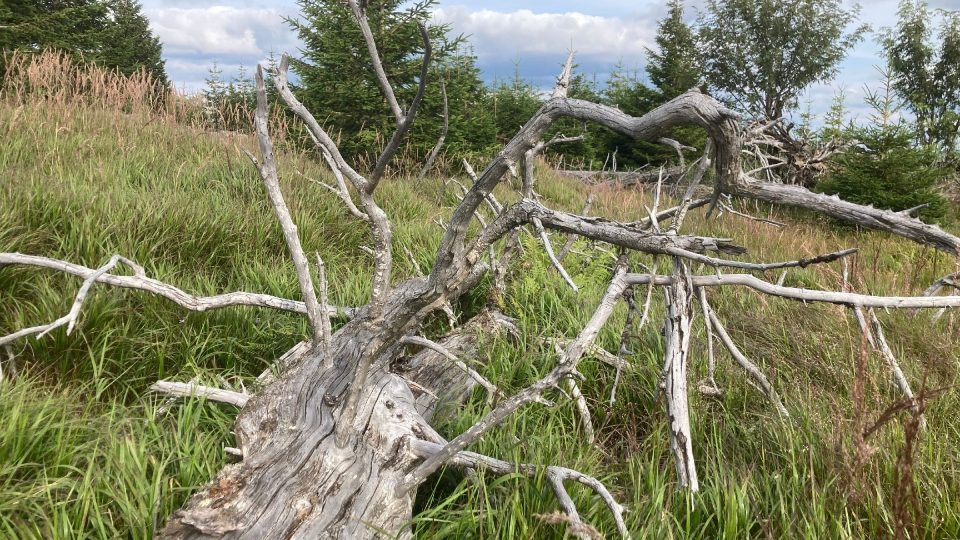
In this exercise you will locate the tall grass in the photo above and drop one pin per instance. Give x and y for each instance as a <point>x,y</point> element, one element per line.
<point>86,452</point>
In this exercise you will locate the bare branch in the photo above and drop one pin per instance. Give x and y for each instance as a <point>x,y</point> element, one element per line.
<point>747,365</point>
<point>709,385</point>
<point>379,224</point>
<point>542,233</point>
<point>492,391</point>
<point>807,295</point>
<point>185,300</point>
<point>432,156</point>
<point>382,80</point>
<point>691,189</point>
<point>567,367</point>
<point>324,310</point>
<point>678,148</point>
<point>271,179</point>
<point>471,460</point>
<point>867,216</point>
<point>899,378</point>
<point>729,208</point>
<point>70,319</point>
<point>236,399</point>
<point>676,335</point>
<point>573,238</point>
<point>563,81</point>
<point>342,190</point>
<point>403,126</point>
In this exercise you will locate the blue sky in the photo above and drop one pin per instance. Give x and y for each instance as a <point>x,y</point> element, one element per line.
<point>534,35</point>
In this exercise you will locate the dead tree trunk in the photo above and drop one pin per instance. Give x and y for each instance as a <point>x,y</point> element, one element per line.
<point>336,446</point>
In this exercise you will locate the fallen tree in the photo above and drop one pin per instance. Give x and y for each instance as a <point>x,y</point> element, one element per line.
<point>336,444</point>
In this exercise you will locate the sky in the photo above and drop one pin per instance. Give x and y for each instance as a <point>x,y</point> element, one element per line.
<point>532,36</point>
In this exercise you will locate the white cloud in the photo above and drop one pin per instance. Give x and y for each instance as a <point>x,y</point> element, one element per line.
<point>219,30</point>
<point>497,33</point>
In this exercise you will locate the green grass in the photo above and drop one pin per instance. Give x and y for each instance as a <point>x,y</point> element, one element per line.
<point>84,452</point>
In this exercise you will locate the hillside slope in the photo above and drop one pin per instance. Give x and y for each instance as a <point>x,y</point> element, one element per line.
<point>85,450</point>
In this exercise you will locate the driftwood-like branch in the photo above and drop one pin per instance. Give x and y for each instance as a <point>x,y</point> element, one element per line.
<point>747,365</point>
<point>729,208</point>
<point>866,216</point>
<point>325,325</point>
<point>141,282</point>
<point>708,386</point>
<point>493,393</point>
<point>548,247</point>
<point>567,367</point>
<point>568,245</point>
<point>70,319</point>
<point>474,461</point>
<point>404,125</point>
<point>271,179</point>
<point>432,156</point>
<point>899,378</point>
<point>342,190</point>
<point>220,395</point>
<point>385,87</point>
<point>676,334</point>
<point>805,295</point>
<point>377,218</point>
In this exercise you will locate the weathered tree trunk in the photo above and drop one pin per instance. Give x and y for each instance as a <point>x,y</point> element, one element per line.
<point>830,205</point>
<point>295,480</point>
<point>676,333</point>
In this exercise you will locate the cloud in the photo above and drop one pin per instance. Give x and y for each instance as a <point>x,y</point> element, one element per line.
<point>219,30</point>
<point>523,32</point>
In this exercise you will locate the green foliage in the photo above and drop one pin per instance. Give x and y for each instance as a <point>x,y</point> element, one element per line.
<point>83,452</point>
<point>760,54</point>
<point>111,33</point>
<point>627,92</point>
<point>512,103</point>
<point>926,77</point>
<point>675,67</point>
<point>883,167</point>
<point>337,79</point>
<point>471,126</point>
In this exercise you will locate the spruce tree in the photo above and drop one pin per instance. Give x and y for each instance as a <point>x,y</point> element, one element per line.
<point>111,33</point>
<point>675,67</point>
<point>336,74</point>
<point>128,45</point>
<point>885,168</point>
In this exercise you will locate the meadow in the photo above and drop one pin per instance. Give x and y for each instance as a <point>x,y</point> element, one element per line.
<point>87,451</point>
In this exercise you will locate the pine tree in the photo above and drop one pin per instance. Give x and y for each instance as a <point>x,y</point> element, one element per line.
<point>885,168</point>
<point>110,33</point>
<point>336,73</point>
<point>512,103</point>
<point>128,43</point>
<point>675,67</point>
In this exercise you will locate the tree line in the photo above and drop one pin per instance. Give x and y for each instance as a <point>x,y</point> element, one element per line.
<point>758,56</point>
<point>110,33</point>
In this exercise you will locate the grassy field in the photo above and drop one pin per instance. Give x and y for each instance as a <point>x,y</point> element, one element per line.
<point>86,451</point>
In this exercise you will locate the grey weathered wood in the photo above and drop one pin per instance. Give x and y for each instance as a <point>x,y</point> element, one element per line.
<point>676,333</point>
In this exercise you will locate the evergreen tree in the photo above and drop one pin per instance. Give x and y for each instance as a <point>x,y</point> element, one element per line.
<point>512,103</point>
<point>675,67</point>
<point>761,54</point>
<point>128,44</point>
<point>215,97</point>
<point>336,74</point>
<point>885,168</point>
<point>110,33</point>
<point>471,126</point>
